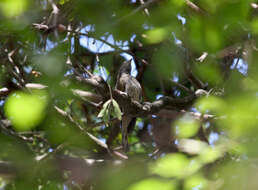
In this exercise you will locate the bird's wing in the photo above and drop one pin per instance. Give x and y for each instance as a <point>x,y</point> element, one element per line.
<point>133,88</point>
<point>121,82</point>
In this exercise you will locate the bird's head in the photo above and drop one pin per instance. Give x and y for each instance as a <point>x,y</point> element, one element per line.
<point>126,67</point>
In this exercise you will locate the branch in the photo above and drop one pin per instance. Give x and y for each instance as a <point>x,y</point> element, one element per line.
<point>181,86</point>
<point>62,28</point>
<point>8,131</point>
<point>254,5</point>
<point>95,139</point>
<point>194,7</point>
<point>142,7</point>
<point>137,109</point>
<point>88,95</point>
<point>134,107</point>
<point>4,91</point>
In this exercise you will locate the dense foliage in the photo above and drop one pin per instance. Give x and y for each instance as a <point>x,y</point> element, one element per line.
<point>60,112</point>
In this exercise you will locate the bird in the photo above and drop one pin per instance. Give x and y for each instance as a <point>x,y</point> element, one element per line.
<point>129,85</point>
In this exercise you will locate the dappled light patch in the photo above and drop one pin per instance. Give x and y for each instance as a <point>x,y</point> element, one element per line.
<point>241,115</point>
<point>156,35</point>
<point>153,183</point>
<point>172,165</point>
<point>26,110</point>
<point>195,182</point>
<point>186,127</point>
<point>210,104</point>
<point>193,125</point>
<point>12,8</point>
<point>209,73</point>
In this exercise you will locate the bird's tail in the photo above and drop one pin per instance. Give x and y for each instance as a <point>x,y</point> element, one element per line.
<point>125,123</point>
<point>131,125</point>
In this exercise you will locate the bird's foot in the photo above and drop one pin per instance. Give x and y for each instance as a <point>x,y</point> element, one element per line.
<point>146,106</point>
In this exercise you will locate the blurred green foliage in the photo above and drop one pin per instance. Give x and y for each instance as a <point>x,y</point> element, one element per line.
<point>14,8</point>
<point>52,139</point>
<point>153,184</point>
<point>26,111</point>
<point>186,127</point>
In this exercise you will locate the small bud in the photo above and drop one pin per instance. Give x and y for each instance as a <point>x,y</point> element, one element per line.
<point>61,28</point>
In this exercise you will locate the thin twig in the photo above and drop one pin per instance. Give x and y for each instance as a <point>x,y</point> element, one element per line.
<point>182,87</point>
<point>145,5</point>
<point>99,142</point>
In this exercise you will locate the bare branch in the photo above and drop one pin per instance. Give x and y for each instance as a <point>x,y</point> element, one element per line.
<point>194,7</point>
<point>99,142</point>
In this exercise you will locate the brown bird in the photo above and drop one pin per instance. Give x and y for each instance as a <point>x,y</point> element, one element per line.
<point>128,84</point>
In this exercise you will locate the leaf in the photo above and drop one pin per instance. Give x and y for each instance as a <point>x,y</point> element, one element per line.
<point>172,165</point>
<point>104,108</point>
<point>209,155</point>
<point>117,111</point>
<point>12,8</point>
<point>156,35</point>
<point>153,183</point>
<point>187,127</point>
<point>25,110</point>
<point>61,2</point>
<point>110,107</point>
<point>105,111</point>
<point>195,182</point>
<point>191,146</point>
<point>211,103</point>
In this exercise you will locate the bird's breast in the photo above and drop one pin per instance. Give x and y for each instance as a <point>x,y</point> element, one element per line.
<point>133,88</point>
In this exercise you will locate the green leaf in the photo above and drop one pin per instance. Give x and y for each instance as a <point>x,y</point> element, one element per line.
<point>110,108</point>
<point>210,154</point>
<point>156,35</point>
<point>24,110</point>
<point>187,127</point>
<point>104,108</point>
<point>105,111</point>
<point>211,103</point>
<point>172,165</point>
<point>117,112</point>
<point>153,183</point>
<point>61,2</point>
<point>12,8</point>
<point>195,182</point>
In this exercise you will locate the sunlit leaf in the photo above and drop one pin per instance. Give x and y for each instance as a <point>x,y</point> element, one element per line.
<point>110,108</point>
<point>105,111</point>
<point>195,182</point>
<point>11,8</point>
<point>116,112</point>
<point>209,73</point>
<point>25,110</point>
<point>153,183</point>
<point>61,2</point>
<point>104,108</point>
<point>210,154</point>
<point>210,103</point>
<point>172,165</point>
<point>191,146</point>
<point>254,26</point>
<point>186,127</point>
<point>156,35</point>
<point>241,115</point>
